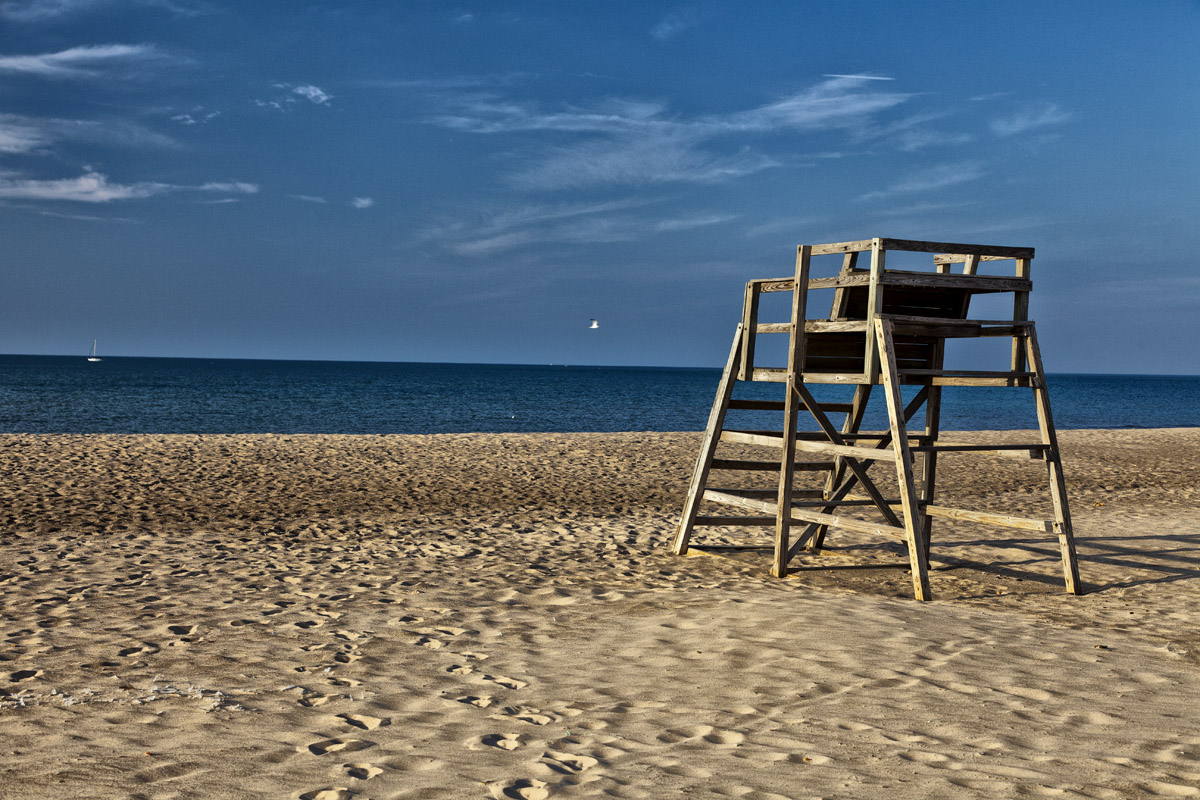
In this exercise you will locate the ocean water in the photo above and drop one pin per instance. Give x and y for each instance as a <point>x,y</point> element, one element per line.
<point>67,394</point>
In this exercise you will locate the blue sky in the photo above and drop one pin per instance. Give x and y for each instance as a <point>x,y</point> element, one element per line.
<point>432,181</point>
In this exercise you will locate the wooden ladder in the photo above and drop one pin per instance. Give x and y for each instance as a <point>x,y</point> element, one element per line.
<point>888,349</point>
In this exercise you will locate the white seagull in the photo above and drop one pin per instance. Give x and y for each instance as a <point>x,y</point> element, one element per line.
<point>594,325</point>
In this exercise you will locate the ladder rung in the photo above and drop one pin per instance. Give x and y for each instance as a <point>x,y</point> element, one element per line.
<point>825,448</point>
<point>964,373</point>
<point>801,466</point>
<point>777,405</point>
<point>756,522</point>
<point>796,493</point>
<point>954,447</point>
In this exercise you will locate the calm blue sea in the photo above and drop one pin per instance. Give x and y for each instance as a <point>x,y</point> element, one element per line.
<point>61,394</point>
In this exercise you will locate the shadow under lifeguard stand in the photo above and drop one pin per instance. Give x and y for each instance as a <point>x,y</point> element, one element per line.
<point>888,328</point>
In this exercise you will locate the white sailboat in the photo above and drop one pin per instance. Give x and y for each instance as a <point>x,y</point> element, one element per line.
<point>93,356</point>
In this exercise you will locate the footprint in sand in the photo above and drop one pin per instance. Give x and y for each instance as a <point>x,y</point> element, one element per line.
<point>459,669</point>
<point>364,721</point>
<point>567,763</point>
<point>182,630</point>
<point>478,702</point>
<point>338,745</point>
<point>362,772</point>
<point>333,793</point>
<point>703,732</point>
<point>533,716</point>
<point>508,683</point>
<point>307,623</point>
<point>147,648</point>
<point>504,741</point>
<point>24,674</point>
<point>525,789</point>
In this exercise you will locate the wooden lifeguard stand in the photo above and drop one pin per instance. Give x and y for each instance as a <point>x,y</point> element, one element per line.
<point>886,327</point>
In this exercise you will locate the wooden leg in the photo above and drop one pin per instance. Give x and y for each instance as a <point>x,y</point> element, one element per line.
<point>913,525</point>
<point>795,368</point>
<point>712,435</point>
<point>933,413</point>
<point>1058,485</point>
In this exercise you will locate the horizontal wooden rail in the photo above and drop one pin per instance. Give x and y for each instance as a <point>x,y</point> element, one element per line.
<point>1003,520</point>
<point>749,522</point>
<point>770,466</point>
<point>912,246</point>
<point>777,405</point>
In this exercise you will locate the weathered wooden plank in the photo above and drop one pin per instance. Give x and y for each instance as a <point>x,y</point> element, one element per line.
<point>749,326</point>
<point>735,522</point>
<point>989,518</point>
<point>842,247</point>
<point>996,251</point>
<point>1020,313</point>
<point>959,381</point>
<point>815,326</point>
<point>993,252</point>
<point>958,258</point>
<point>769,285</point>
<point>778,405</point>
<point>963,373</point>
<point>914,527</point>
<point>953,447</point>
<point>796,493</point>
<point>769,466</point>
<point>795,360</point>
<point>1058,484</point>
<point>972,283</point>
<point>708,446</point>
<point>825,448</point>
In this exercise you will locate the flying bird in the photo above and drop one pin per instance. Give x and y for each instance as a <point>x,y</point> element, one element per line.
<point>594,325</point>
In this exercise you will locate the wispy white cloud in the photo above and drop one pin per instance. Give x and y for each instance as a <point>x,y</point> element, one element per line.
<point>939,177</point>
<point>312,93</point>
<point>307,198</point>
<point>80,63</point>
<point>198,116</point>
<point>639,142</point>
<point>362,202</point>
<point>84,217</point>
<point>49,10</point>
<point>21,134</point>
<point>94,187</point>
<point>293,94</point>
<point>445,84</point>
<point>638,161</point>
<point>1030,118</point>
<point>572,223</point>
<point>673,24</point>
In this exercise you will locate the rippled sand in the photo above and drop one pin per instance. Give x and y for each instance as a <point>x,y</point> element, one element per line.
<point>498,616</point>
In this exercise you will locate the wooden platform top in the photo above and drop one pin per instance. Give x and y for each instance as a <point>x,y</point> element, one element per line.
<point>912,245</point>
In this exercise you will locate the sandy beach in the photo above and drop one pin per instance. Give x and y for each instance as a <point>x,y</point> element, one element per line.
<point>498,616</point>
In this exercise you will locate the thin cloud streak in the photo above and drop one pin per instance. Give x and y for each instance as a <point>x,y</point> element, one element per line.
<point>49,10</point>
<point>78,62</point>
<point>939,177</point>
<point>1030,119</point>
<point>94,187</point>
<point>598,223</point>
<point>639,142</point>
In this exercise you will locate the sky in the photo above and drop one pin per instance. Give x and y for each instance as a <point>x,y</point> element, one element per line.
<point>474,182</point>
